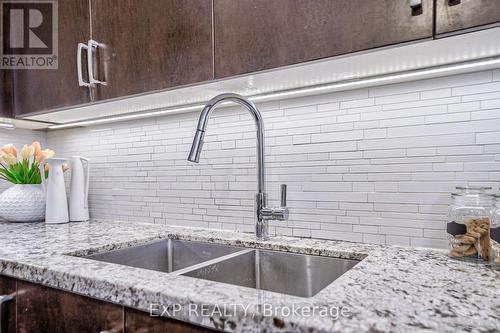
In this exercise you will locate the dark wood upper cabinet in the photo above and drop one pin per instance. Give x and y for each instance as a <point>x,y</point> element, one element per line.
<point>453,15</point>
<point>8,315</point>
<point>41,309</point>
<point>5,93</point>
<point>151,45</point>
<point>142,322</point>
<point>252,35</point>
<point>38,90</point>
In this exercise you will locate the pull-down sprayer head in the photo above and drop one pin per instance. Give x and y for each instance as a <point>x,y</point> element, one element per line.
<point>194,154</point>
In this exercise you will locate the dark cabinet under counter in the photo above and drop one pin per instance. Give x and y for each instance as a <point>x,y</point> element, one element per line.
<point>33,308</point>
<point>138,321</point>
<point>43,309</point>
<point>8,304</point>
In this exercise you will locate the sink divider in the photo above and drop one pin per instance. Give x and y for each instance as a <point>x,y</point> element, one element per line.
<point>211,262</point>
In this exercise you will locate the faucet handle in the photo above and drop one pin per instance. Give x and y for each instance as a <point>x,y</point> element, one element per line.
<point>283,195</point>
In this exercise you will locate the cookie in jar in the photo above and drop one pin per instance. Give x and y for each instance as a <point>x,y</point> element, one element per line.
<point>469,222</point>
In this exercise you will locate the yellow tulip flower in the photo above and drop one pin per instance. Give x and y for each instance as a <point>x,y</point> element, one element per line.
<point>27,152</point>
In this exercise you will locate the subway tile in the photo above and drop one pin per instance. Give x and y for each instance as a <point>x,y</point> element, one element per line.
<point>337,136</point>
<point>376,133</point>
<point>413,232</point>
<point>445,128</point>
<point>476,89</point>
<point>419,141</point>
<point>436,93</point>
<point>488,137</point>
<point>398,98</point>
<point>407,146</point>
<point>447,118</point>
<point>428,243</point>
<point>490,104</point>
<point>328,107</point>
<point>485,114</point>
<point>397,240</point>
<point>358,103</point>
<point>384,153</point>
<point>496,75</point>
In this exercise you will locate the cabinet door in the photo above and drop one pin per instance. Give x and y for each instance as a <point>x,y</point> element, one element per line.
<point>453,15</point>
<point>141,322</point>
<point>8,319</point>
<point>5,93</point>
<point>151,45</point>
<point>39,90</point>
<point>252,35</point>
<point>41,309</point>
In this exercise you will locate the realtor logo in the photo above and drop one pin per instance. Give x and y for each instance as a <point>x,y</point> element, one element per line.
<point>28,34</point>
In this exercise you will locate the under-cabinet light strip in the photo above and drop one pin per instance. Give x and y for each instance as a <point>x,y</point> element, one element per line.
<point>322,88</point>
<point>9,126</point>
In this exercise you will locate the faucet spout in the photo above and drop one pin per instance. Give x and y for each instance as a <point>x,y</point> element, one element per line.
<point>196,147</point>
<point>263,213</point>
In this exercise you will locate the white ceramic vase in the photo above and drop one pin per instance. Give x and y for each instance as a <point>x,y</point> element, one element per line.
<point>23,203</point>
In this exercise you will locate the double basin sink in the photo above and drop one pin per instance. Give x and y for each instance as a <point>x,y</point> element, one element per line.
<point>287,273</point>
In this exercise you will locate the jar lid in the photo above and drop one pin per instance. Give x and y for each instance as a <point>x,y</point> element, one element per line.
<point>472,191</point>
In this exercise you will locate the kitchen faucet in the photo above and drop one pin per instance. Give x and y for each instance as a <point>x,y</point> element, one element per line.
<point>263,213</point>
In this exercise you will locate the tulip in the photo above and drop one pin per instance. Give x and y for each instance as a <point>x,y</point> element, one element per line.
<point>10,150</point>
<point>9,158</point>
<point>46,153</point>
<point>27,152</point>
<point>36,147</point>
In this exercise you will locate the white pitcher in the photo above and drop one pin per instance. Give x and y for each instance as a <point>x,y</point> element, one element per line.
<point>79,195</point>
<point>56,208</point>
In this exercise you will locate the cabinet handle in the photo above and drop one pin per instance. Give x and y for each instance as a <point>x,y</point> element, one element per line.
<point>416,7</point>
<point>90,61</point>
<point>105,331</point>
<point>81,82</point>
<point>3,321</point>
<point>454,2</point>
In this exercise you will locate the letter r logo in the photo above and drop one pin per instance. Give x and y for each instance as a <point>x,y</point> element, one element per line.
<point>18,29</point>
<point>27,27</point>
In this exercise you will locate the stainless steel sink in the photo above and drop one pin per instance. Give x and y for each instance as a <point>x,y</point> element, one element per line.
<point>165,255</point>
<point>286,273</point>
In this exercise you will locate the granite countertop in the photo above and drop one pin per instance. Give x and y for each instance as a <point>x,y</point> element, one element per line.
<point>393,289</point>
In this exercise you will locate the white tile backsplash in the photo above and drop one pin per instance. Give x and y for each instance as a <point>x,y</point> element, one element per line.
<point>373,165</point>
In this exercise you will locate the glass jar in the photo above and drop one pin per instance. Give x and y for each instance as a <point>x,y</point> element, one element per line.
<point>469,221</point>
<point>495,234</point>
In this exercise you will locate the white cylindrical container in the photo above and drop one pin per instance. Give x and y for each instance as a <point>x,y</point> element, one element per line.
<point>79,195</point>
<point>56,209</point>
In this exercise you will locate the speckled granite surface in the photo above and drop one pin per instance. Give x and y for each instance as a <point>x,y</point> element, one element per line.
<point>393,289</point>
